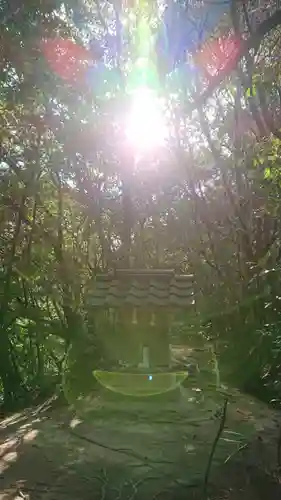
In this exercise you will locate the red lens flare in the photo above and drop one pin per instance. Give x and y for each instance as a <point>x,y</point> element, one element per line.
<point>66,58</point>
<point>218,56</point>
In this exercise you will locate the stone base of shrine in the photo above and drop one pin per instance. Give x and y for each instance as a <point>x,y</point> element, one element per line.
<point>111,396</point>
<point>106,404</point>
<point>156,406</point>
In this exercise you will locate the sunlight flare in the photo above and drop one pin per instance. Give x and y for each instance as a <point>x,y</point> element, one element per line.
<point>146,128</point>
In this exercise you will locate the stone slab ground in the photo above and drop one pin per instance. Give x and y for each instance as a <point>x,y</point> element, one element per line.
<point>106,450</point>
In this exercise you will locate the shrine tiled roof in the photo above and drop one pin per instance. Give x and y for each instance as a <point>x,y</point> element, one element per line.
<point>142,289</point>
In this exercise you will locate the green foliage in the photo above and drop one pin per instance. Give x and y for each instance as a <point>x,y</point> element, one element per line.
<point>207,203</point>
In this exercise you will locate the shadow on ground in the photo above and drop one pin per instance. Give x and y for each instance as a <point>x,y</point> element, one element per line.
<point>49,453</point>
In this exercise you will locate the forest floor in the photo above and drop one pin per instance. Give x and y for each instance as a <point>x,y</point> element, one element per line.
<point>50,453</point>
<point>196,447</point>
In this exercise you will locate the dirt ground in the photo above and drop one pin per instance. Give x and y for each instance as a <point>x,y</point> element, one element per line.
<point>51,452</point>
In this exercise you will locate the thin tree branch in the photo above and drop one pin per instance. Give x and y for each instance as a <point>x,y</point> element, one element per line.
<point>216,440</point>
<point>246,16</point>
<point>100,16</point>
<point>130,453</point>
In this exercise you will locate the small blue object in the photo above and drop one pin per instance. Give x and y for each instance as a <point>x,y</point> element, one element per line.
<point>149,377</point>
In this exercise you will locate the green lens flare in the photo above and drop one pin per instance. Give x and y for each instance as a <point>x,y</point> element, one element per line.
<point>140,384</point>
<point>143,74</point>
<point>144,39</point>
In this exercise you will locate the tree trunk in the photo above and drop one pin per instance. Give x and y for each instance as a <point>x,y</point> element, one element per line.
<point>11,380</point>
